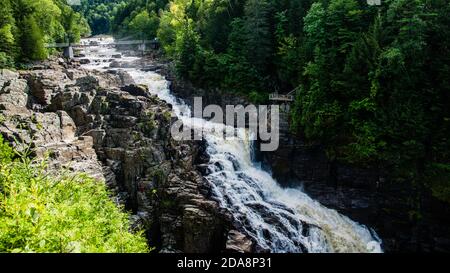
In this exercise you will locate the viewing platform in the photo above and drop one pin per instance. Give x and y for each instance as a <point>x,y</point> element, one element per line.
<point>281,97</point>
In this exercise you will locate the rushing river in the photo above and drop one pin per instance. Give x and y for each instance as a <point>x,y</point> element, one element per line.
<point>278,219</point>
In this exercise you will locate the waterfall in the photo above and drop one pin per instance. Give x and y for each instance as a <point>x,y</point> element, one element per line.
<point>278,219</point>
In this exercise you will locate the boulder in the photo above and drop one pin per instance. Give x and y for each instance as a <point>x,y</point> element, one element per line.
<point>68,127</point>
<point>84,61</point>
<point>7,75</point>
<point>115,64</point>
<point>14,94</point>
<point>125,78</point>
<point>87,83</point>
<point>238,242</point>
<point>136,90</point>
<point>45,83</point>
<point>74,74</point>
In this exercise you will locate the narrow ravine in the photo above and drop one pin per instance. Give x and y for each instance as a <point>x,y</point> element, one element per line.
<point>278,219</point>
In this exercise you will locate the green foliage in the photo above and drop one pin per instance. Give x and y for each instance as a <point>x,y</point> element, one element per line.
<point>65,213</point>
<point>98,14</point>
<point>75,25</point>
<point>32,39</point>
<point>6,152</point>
<point>6,61</point>
<point>258,98</point>
<point>144,25</point>
<point>138,18</point>
<point>241,46</point>
<point>438,176</point>
<point>187,50</point>
<point>27,25</point>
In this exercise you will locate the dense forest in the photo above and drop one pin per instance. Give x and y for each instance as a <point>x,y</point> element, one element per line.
<point>134,18</point>
<point>27,25</point>
<point>372,82</point>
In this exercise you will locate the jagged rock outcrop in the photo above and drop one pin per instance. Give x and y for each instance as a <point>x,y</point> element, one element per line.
<point>238,242</point>
<point>104,125</point>
<point>50,134</point>
<point>13,91</point>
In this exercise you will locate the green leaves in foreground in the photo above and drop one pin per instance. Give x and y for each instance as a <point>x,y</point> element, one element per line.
<point>71,213</point>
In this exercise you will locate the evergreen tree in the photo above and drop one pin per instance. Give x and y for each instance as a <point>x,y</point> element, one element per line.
<point>258,44</point>
<point>32,40</point>
<point>7,27</point>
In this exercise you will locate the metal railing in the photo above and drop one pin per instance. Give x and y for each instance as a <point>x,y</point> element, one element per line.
<point>280,97</point>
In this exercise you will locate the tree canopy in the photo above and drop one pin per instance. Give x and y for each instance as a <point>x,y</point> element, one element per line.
<point>27,25</point>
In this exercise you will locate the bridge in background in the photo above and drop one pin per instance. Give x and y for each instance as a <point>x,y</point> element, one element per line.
<point>94,44</point>
<point>68,47</point>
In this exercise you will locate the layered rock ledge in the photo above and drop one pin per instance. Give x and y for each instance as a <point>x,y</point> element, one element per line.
<point>103,124</point>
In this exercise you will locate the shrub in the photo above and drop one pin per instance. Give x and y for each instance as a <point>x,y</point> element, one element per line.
<point>66,213</point>
<point>6,61</point>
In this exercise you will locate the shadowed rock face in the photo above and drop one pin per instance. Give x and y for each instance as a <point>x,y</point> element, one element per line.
<point>102,124</point>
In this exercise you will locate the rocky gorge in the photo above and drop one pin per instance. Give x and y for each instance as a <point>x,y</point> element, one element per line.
<point>103,124</point>
<point>109,114</point>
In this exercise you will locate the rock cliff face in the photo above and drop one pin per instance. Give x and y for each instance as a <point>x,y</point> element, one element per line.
<point>105,125</point>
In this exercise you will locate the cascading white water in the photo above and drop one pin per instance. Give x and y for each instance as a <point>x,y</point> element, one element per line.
<point>278,219</point>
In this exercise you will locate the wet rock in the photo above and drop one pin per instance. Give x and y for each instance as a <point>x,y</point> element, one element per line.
<point>115,64</point>
<point>136,90</point>
<point>84,61</point>
<point>67,125</point>
<point>238,242</point>
<point>154,67</point>
<point>198,235</point>
<point>74,74</point>
<point>125,78</point>
<point>87,83</point>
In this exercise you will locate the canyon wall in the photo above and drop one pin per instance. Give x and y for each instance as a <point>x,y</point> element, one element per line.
<point>104,125</point>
